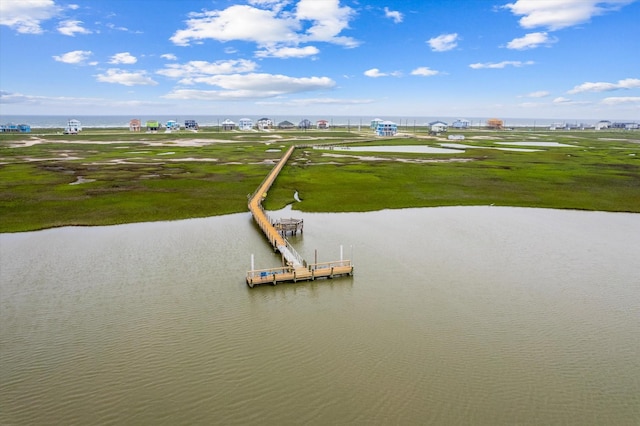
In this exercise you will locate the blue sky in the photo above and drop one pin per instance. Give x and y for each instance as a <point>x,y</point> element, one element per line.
<point>507,58</point>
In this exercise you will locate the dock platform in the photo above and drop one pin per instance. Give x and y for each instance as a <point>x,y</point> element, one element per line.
<point>294,268</point>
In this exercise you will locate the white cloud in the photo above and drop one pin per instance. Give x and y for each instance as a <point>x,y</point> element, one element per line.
<point>198,71</point>
<point>538,94</point>
<point>266,23</point>
<point>73,6</point>
<point>375,73</point>
<point>112,26</point>
<point>25,16</point>
<point>628,83</point>
<point>424,71</point>
<point>73,57</point>
<point>252,86</point>
<point>393,14</point>
<point>531,41</point>
<point>123,58</point>
<point>561,100</point>
<point>558,14</point>
<point>621,100</point>
<point>443,42</point>
<point>269,83</point>
<point>287,52</point>
<point>328,20</point>
<point>71,28</point>
<point>126,78</point>
<point>500,65</point>
<point>238,22</point>
<point>169,57</point>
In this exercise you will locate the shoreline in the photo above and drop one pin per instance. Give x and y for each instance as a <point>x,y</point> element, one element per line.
<point>288,211</point>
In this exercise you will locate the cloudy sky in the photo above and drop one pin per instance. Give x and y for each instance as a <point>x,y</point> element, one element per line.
<point>510,58</point>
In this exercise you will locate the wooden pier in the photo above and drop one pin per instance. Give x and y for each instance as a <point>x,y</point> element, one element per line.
<point>294,268</point>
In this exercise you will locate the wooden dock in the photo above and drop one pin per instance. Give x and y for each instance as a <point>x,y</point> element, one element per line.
<point>294,268</point>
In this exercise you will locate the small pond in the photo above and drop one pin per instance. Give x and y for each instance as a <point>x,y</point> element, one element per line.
<point>415,149</point>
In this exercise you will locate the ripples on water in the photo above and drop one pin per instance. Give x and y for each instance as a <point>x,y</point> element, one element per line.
<point>454,315</point>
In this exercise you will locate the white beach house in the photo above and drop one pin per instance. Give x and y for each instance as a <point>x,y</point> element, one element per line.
<point>264,123</point>
<point>245,124</point>
<point>228,125</point>
<point>438,126</point>
<point>73,127</point>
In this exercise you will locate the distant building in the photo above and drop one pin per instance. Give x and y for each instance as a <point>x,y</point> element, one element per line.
<point>15,128</point>
<point>461,124</point>
<point>438,126</point>
<point>152,125</point>
<point>286,125</point>
<point>495,123</point>
<point>264,123</point>
<point>304,124</point>
<point>172,125</point>
<point>245,124</point>
<point>603,124</point>
<point>190,125</point>
<point>134,125</point>
<point>386,128</point>
<point>228,125</point>
<point>375,122</point>
<point>73,127</point>
<point>322,124</point>
<point>625,126</point>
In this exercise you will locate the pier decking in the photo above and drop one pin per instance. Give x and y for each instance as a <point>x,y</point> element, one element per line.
<point>294,268</point>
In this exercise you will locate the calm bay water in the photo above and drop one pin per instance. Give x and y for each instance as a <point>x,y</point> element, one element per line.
<point>478,315</point>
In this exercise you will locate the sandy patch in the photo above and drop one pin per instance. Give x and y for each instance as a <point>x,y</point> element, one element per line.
<point>23,144</point>
<point>212,160</point>
<point>80,180</point>
<point>61,158</point>
<point>541,144</point>
<point>484,137</point>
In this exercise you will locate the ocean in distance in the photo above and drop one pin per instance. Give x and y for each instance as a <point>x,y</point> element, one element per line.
<point>122,121</point>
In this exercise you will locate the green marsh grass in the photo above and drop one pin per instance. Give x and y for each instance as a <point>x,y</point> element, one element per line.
<point>147,177</point>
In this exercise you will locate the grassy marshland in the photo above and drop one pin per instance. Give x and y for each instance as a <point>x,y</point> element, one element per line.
<point>125,177</point>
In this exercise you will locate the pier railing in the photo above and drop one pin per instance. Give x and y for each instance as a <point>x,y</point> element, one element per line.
<point>296,267</point>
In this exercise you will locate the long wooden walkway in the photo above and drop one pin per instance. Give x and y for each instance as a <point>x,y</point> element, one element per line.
<point>294,268</point>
